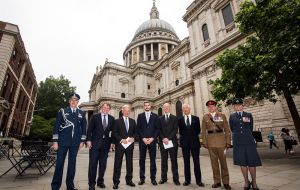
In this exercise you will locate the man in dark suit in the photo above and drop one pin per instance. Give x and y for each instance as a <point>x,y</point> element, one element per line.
<point>125,133</point>
<point>148,131</point>
<point>189,130</point>
<point>168,128</point>
<point>99,141</point>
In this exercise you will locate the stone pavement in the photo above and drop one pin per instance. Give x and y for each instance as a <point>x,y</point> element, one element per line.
<point>278,172</point>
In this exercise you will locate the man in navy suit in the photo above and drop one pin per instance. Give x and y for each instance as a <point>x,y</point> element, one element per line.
<point>125,133</point>
<point>189,130</point>
<point>147,123</point>
<point>99,141</point>
<point>69,135</point>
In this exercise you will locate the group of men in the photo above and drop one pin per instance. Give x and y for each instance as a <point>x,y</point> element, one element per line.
<point>104,131</point>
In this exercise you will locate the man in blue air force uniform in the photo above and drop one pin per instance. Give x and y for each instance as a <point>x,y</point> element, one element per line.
<point>69,134</point>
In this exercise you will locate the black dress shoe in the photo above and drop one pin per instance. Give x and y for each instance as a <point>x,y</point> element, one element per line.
<point>116,186</point>
<point>216,185</point>
<point>101,185</point>
<point>91,188</point>
<point>130,183</point>
<point>153,182</point>
<point>72,188</point>
<point>227,186</point>
<point>186,183</point>
<point>141,182</point>
<point>200,184</point>
<point>162,181</point>
<point>177,183</point>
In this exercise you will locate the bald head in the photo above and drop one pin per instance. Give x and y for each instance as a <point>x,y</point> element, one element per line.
<point>166,107</point>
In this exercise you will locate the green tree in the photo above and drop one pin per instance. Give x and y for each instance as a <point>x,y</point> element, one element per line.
<point>52,95</point>
<point>41,128</point>
<point>268,63</point>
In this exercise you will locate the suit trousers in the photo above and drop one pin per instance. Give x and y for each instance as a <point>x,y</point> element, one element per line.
<point>164,163</point>
<point>119,153</point>
<point>152,154</point>
<point>186,152</point>
<point>95,156</point>
<point>218,158</point>
<point>59,168</point>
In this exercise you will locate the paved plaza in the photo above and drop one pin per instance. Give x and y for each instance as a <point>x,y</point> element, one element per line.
<point>278,172</point>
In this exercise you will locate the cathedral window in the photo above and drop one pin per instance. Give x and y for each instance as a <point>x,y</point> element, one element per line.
<point>122,95</point>
<point>227,15</point>
<point>159,91</point>
<point>176,82</point>
<point>205,32</point>
<point>148,86</point>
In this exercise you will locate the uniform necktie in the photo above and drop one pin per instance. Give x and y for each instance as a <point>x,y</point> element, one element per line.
<point>188,122</point>
<point>126,124</point>
<point>104,122</point>
<point>240,114</point>
<point>73,110</point>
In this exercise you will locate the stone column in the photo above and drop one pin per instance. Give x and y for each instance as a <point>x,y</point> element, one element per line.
<point>159,50</point>
<point>152,55</point>
<point>144,51</point>
<point>132,57</point>
<point>198,105</point>
<point>138,59</point>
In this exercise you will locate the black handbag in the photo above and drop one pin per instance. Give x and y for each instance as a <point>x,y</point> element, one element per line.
<point>294,142</point>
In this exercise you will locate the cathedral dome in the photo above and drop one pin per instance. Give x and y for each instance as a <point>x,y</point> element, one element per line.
<point>155,24</point>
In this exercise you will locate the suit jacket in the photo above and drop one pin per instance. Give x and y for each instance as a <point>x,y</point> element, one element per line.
<point>168,129</point>
<point>242,128</point>
<point>150,129</point>
<point>119,131</point>
<point>210,126</point>
<point>96,133</point>
<point>69,128</point>
<point>189,137</point>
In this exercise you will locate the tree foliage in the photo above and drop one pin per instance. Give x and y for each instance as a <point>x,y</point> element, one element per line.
<point>268,63</point>
<point>41,128</point>
<point>52,95</point>
<point>269,60</point>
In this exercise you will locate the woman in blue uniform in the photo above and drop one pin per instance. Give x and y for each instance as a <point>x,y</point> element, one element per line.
<point>245,154</point>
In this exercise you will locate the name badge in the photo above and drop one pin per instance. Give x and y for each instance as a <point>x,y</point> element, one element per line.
<point>79,115</point>
<point>109,135</point>
<point>246,119</point>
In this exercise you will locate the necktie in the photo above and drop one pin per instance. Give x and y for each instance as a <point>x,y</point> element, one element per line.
<point>126,124</point>
<point>73,110</point>
<point>188,122</point>
<point>240,114</point>
<point>104,122</point>
<point>167,118</point>
<point>147,118</point>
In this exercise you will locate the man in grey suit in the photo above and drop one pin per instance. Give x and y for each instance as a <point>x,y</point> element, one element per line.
<point>168,128</point>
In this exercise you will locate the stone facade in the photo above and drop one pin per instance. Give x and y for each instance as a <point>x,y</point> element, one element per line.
<point>160,68</point>
<point>18,86</point>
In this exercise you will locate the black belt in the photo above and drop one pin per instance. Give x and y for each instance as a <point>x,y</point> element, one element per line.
<point>216,131</point>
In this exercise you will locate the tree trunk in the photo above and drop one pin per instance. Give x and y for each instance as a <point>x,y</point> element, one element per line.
<point>293,109</point>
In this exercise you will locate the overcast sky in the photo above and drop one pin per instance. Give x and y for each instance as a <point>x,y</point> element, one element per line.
<point>72,37</point>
